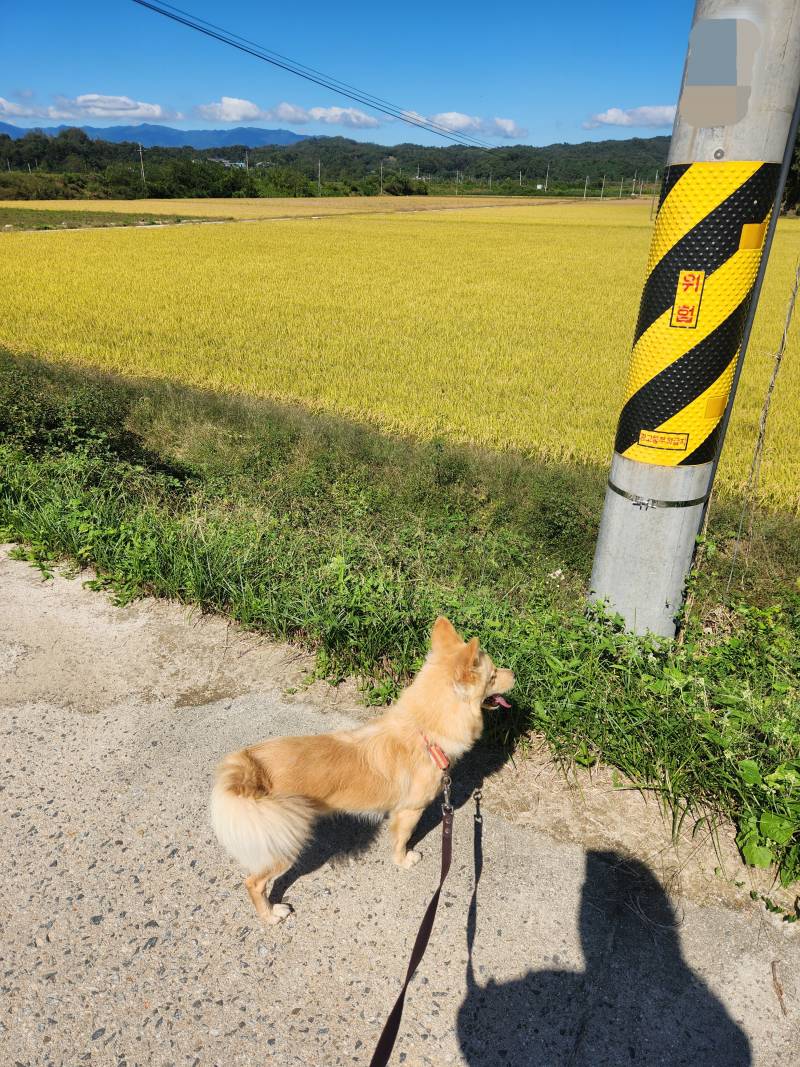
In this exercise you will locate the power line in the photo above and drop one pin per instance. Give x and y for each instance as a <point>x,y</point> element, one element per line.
<point>209,29</point>
<point>297,67</point>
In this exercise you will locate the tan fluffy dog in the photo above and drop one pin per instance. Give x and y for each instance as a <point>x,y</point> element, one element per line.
<point>266,797</point>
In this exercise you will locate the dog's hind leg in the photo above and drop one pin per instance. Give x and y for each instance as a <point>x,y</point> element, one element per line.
<point>256,884</point>
<point>401,827</point>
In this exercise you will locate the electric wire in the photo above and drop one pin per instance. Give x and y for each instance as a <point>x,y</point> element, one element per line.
<point>309,73</point>
<point>340,86</point>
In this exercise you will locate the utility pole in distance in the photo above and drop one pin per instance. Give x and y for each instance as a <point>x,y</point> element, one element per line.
<point>381,177</point>
<point>547,177</point>
<point>585,186</point>
<point>730,153</point>
<point>620,187</point>
<point>653,200</point>
<point>603,187</point>
<point>141,165</point>
<point>319,176</point>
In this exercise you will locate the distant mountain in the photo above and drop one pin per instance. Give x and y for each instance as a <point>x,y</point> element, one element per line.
<point>151,136</point>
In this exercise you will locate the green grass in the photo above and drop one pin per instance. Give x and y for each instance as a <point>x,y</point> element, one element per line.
<point>350,542</point>
<point>21,218</point>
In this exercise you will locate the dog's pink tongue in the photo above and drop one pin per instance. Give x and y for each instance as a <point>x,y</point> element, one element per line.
<point>501,701</point>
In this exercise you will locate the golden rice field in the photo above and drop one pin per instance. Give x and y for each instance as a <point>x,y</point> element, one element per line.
<point>508,326</point>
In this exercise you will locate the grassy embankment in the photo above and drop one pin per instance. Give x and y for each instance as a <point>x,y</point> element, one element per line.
<point>314,529</point>
<point>49,218</point>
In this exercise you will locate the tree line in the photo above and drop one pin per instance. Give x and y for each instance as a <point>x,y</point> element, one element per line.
<point>71,164</point>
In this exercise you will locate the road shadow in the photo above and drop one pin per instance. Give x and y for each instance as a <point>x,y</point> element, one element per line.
<point>635,1003</point>
<point>343,836</point>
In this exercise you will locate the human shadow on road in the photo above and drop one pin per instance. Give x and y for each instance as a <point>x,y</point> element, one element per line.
<point>635,1003</point>
<point>345,835</point>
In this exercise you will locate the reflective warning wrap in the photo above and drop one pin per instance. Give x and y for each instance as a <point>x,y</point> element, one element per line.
<point>706,248</point>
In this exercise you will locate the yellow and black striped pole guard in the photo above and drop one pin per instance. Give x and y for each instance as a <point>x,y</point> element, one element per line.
<point>705,253</point>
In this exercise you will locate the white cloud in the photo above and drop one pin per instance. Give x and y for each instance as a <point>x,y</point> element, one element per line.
<point>113,107</point>
<point>231,109</point>
<point>344,116</point>
<point>414,116</point>
<point>88,105</point>
<point>10,110</point>
<point>458,122</point>
<point>288,113</point>
<point>507,128</point>
<point>657,115</point>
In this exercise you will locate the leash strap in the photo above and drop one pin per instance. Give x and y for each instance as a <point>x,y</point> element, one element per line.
<point>383,1050</point>
<point>477,857</point>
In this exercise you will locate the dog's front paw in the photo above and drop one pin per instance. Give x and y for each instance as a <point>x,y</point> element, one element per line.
<point>410,859</point>
<point>278,913</point>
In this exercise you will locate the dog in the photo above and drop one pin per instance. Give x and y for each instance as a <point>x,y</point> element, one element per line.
<point>267,797</point>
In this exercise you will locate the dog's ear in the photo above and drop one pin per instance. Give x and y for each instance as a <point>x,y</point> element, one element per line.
<point>444,637</point>
<point>467,661</point>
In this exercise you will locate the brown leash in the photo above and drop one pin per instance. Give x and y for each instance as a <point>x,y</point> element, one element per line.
<point>383,1050</point>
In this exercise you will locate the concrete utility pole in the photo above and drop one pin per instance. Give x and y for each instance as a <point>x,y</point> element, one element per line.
<point>731,149</point>
<point>603,187</point>
<point>585,186</point>
<point>319,176</point>
<point>381,177</point>
<point>620,187</point>
<point>141,165</point>
<point>547,177</point>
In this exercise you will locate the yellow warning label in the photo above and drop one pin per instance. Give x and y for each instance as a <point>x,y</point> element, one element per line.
<point>753,235</point>
<point>686,309</point>
<point>715,405</point>
<point>676,442</point>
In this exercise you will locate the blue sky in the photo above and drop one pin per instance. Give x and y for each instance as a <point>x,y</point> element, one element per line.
<point>532,73</point>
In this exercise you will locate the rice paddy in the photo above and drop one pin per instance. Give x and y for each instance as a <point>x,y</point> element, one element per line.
<point>509,326</point>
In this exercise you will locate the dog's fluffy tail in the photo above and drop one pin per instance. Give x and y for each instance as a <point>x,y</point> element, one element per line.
<point>259,829</point>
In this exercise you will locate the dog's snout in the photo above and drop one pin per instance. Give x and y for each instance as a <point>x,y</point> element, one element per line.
<point>505,681</point>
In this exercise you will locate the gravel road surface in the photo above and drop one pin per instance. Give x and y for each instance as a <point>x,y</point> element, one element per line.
<point>127,938</point>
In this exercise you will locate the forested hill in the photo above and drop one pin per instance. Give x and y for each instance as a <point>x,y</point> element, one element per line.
<point>568,162</point>
<point>342,159</point>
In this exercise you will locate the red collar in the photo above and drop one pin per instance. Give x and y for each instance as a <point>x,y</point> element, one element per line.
<point>436,754</point>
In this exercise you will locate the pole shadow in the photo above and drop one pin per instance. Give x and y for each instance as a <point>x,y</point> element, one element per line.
<point>635,1003</point>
